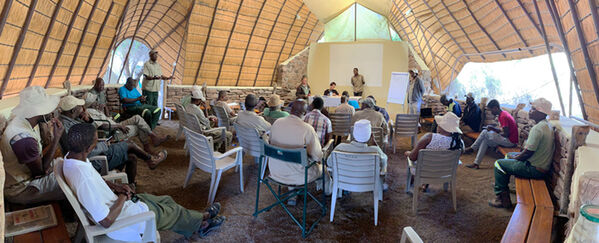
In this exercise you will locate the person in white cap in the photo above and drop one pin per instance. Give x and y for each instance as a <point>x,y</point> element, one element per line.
<point>198,100</point>
<point>447,137</point>
<point>152,77</point>
<point>532,163</point>
<point>415,92</point>
<point>29,177</point>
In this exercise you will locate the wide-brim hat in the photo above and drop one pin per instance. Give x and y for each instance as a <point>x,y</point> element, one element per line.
<point>34,101</point>
<point>542,105</point>
<point>274,100</point>
<point>196,93</point>
<point>69,102</point>
<point>449,122</point>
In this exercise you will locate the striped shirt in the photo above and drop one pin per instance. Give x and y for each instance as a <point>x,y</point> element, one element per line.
<point>320,123</point>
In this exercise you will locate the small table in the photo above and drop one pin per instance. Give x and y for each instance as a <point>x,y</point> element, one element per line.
<point>57,233</point>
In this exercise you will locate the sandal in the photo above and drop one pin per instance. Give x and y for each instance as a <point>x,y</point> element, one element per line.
<point>213,224</point>
<point>156,163</point>
<point>213,210</point>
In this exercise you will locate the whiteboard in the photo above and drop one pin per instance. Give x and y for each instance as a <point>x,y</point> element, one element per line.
<point>398,87</point>
<point>368,58</point>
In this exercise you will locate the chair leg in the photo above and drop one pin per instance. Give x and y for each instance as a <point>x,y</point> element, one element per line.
<point>259,181</point>
<point>393,143</point>
<point>333,201</point>
<point>179,132</point>
<point>453,196</point>
<point>219,174</point>
<point>212,180</point>
<point>415,199</point>
<point>190,171</point>
<point>264,164</point>
<point>240,165</point>
<point>376,206</point>
<point>409,180</point>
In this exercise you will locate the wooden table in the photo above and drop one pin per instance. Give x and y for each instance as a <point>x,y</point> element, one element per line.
<point>57,233</point>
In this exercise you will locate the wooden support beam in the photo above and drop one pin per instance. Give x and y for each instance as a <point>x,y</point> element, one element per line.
<point>272,28</point>
<point>583,44</point>
<point>184,20</point>
<point>482,28</point>
<point>118,37</point>
<point>300,31</point>
<point>179,52</point>
<point>285,42</point>
<point>125,62</point>
<point>161,18</point>
<point>206,42</point>
<point>18,45</point>
<point>461,28</point>
<point>4,14</point>
<point>310,35</point>
<point>42,48</point>
<point>120,24</point>
<point>443,26</point>
<point>245,52</point>
<point>93,51</point>
<point>89,19</point>
<point>544,34</point>
<point>529,17</point>
<point>64,42</point>
<point>511,24</point>
<point>220,67</point>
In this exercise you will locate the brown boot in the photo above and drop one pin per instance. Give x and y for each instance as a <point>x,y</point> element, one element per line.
<point>502,200</point>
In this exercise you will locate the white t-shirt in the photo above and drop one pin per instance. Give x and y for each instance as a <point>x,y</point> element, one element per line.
<point>97,198</point>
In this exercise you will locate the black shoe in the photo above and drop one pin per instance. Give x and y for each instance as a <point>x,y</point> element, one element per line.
<point>473,166</point>
<point>502,200</point>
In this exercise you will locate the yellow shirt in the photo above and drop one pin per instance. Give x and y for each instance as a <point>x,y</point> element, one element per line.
<point>358,83</point>
<point>151,69</point>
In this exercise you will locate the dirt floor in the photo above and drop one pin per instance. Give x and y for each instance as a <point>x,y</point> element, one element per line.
<point>435,221</point>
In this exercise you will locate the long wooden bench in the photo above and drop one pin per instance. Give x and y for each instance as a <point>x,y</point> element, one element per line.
<point>473,135</point>
<point>532,219</point>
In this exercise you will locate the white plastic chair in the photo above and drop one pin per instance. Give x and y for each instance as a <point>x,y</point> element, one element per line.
<point>181,116</point>
<point>341,123</point>
<point>406,125</point>
<point>409,235</point>
<point>223,117</point>
<point>193,123</point>
<point>112,175</point>
<point>357,172</point>
<point>251,142</point>
<point>201,155</point>
<point>96,232</point>
<point>433,167</point>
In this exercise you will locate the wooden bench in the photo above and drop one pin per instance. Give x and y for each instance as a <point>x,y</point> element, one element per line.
<point>473,135</point>
<point>57,233</point>
<point>532,219</point>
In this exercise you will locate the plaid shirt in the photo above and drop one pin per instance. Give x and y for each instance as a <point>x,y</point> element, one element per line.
<point>320,123</point>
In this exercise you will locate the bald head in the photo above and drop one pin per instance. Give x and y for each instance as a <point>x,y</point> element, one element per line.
<point>298,108</point>
<point>250,102</point>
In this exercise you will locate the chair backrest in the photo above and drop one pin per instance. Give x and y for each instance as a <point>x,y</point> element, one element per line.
<point>436,166</point>
<point>377,133</point>
<point>66,189</point>
<point>357,172</point>
<point>200,150</point>
<point>222,115</point>
<point>341,123</point>
<point>180,113</point>
<point>249,139</point>
<point>290,155</point>
<point>192,122</point>
<point>406,124</point>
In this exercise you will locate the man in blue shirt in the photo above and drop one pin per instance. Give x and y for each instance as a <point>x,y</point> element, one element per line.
<point>132,103</point>
<point>353,103</point>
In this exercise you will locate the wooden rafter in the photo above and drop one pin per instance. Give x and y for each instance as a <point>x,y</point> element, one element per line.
<point>529,17</point>
<point>206,42</point>
<point>121,39</point>
<point>89,20</point>
<point>299,32</point>
<point>162,17</point>
<point>220,67</point>
<point>511,24</point>
<point>4,15</point>
<point>481,27</point>
<point>284,42</point>
<point>112,42</point>
<point>42,48</point>
<point>245,52</point>
<point>64,42</point>
<point>93,51</point>
<point>184,20</point>
<point>18,45</point>
<point>462,28</point>
<point>310,35</point>
<point>268,41</point>
<point>584,47</point>
<point>180,48</point>
<point>443,26</point>
<point>139,22</point>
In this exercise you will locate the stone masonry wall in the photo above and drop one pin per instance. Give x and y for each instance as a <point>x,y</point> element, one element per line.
<point>290,72</point>
<point>236,94</point>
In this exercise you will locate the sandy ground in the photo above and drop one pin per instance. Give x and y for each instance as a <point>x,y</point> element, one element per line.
<point>435,221</point>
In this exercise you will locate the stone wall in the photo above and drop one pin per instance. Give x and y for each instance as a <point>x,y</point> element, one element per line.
<point>236,94</point>
<point>290,72</point>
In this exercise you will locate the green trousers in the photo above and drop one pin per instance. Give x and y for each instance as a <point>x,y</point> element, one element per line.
<point>504,168</point>
<point>172,216</point>
<point>151,97</point>
<point>150,113</point>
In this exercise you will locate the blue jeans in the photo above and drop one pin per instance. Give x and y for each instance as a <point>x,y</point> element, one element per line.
<point>489,139</point>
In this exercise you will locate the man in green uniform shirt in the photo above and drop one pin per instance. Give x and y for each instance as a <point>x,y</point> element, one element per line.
<point>152,77</point>
<point>532,163</point>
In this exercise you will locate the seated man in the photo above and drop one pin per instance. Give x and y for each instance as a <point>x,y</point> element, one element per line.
<point>249,118</point>
<point>221,101</point>
<point>131,100</point>
<point>107,202</point>
<point>303,90</point>
<point>367,112</point>
<point>353,103</point>
<point>261,104</point>
<point>29,177</point>
<point>121,155</point>
<point>320,123</point>
<point>197,101</point>
<point>382,110</point>
<point>452,105</point>
<point>331,91</point>
<point>344,107</point>
<point>532,163</point>
<point>472,116</point>
<point>491,137</point>
<point>274,108</point>
<point>96,97</point>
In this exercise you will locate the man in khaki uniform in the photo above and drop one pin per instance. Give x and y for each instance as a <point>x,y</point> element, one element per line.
<point>152,77</point>
<point>358,82</point>
<point>367,112</point>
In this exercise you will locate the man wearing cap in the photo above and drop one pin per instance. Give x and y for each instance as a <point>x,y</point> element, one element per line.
<point>357,81</point>
<point>362,134</point>
<point>198,100</point>
<point>274,108</point>
<point>249,118</point>
<point>367,112</point>
<point>321,124</point>
<point>344,107</point>
<point>415,91</point>
<point>29,177</point>
<point>152,77</point>
<point>131,100</point>
<point>471,116</point>
<point>532,163</point>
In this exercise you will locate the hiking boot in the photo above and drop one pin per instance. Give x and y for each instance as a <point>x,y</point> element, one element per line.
<point>473,166</point>
<point>468,150</point>
<point>502,200</point>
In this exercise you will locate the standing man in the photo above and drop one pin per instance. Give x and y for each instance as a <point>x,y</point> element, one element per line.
<point>415,91</point>
<point>152,76</point>
<point>358,82</point>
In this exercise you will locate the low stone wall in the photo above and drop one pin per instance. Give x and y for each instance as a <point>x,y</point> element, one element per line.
<point>236,94</point>
<point>290,72</point>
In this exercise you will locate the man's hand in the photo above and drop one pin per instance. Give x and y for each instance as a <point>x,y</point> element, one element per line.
<point>58,128</point>
<point>142,98</point>
<point>513,155</point>
<point>124,129</point>
<point>85,116</point>
<point>407,153</point>
<point>123,189</point>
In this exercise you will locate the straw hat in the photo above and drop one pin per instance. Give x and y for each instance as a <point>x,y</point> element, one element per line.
<point>362,130</point>
<point>69,102</point>
<point>542,105</point>
<point>196,93</point>
<point>449,122</point>
<point>274,100</point>
<point>33,101</point>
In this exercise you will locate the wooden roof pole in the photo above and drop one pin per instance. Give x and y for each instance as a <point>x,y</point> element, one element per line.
<point>443,26</point>
<point>511,24</point>
<point>245,52</point>
<point>139,22</point>
<point>300,31</point>
<point>180,48</point>
<point>555,79</point>
<point>220,67</point>
<point>481,27</point>
<point>93,51</point>
<point>89,19</point>
<point>42,48</point>
<point>583,46</point>
<point>18,45</point>
<point>309,35</point>
<point>64,42</point>
<point>461,28</point>
<point>195,80</point>
<point>411,29</point>
<point>532,21</point>
<point>267,41</point>
<point>185,20</point>
<point>4,14</point>
<point>120,24</point>
<point>161,18</point>
<point>272,79</point>
<point>593,6</point>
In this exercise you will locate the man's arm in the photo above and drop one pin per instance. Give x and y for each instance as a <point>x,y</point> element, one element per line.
<point>49,155</point>
<point>114,212</point>
<point>131,100</point>
<point>524,155</point>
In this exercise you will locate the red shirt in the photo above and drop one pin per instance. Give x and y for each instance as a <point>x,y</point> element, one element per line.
<point>506,120</point>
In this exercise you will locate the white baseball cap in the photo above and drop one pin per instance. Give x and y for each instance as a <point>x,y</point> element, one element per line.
<point>542,105</point>
<point>362,130</point>
<point>69,102</point>
<point>196,93</point>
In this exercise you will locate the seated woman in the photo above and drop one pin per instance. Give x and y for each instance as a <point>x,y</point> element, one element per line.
<point>446,138</point>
